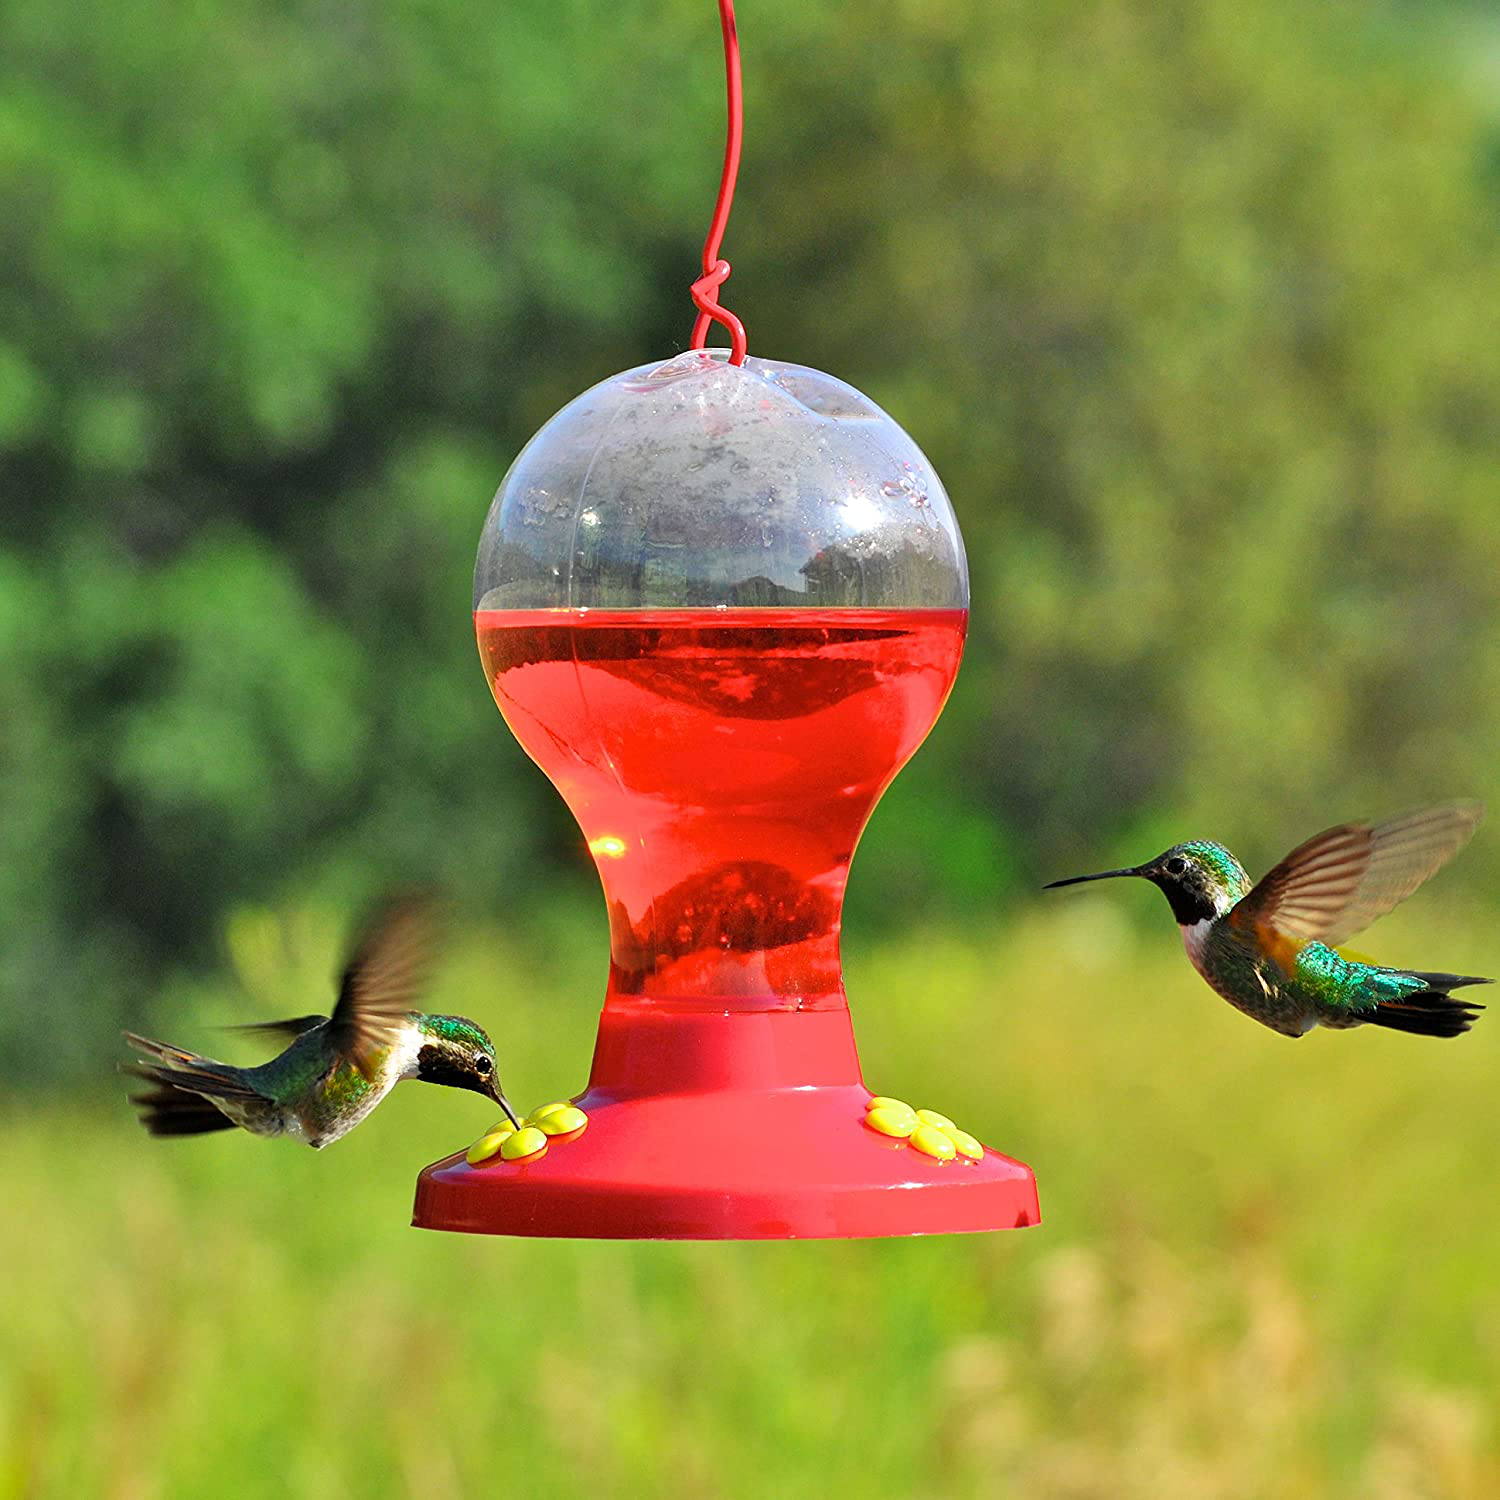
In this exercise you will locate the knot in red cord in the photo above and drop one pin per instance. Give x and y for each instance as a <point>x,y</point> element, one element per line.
<point>706,299</point>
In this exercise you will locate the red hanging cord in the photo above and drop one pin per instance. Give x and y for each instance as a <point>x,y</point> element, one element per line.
<point>715,271</point>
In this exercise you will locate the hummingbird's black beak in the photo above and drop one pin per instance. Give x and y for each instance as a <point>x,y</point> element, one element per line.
<point>1052,885</point>
<point>504,1104</point>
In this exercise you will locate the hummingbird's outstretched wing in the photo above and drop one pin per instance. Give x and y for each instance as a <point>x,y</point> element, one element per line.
<point>283,1031</point>
<point>1342,879</point>
<point>380,986</point>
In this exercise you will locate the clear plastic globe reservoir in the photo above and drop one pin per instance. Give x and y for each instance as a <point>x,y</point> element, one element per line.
<point>720,606</point>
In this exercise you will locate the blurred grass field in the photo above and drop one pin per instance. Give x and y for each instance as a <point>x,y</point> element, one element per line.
<point>1265,1268</point>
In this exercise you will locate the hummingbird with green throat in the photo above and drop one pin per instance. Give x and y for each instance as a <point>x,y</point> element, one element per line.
<point>1268,948</point>
<point>336,1068</point>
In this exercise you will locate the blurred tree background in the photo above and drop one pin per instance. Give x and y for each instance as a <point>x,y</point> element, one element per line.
<point>1192,303</point>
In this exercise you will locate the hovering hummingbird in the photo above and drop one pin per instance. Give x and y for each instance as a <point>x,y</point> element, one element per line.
<point>1265,948</point>
<point>338,1067</point>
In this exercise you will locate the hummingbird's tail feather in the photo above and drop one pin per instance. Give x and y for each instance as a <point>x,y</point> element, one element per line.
<point>193,1080</point>
<point>165,1109</point>
<point>1445,982</point>
<point>1433,1011</point>
<point>163,1050</point>
<point>187,1070</point>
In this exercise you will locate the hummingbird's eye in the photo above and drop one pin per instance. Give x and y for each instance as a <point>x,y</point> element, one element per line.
<point>482,1065</point>
<point>1177,865</point>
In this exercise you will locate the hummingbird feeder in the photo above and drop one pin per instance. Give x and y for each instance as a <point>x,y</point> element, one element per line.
<point>720,601</point>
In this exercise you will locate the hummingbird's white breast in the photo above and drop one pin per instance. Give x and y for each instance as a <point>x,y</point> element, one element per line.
<point>1195,940</point>
<point>405,1052</point>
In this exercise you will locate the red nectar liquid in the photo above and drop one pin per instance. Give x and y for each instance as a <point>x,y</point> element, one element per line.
<point>722,765</point>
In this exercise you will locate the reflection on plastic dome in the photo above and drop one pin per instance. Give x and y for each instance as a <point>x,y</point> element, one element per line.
<point>698,483</point>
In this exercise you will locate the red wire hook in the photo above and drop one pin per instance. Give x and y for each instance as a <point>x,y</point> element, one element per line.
<point>715,271</point>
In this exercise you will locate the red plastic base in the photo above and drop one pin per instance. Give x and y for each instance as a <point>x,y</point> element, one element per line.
<point>714,1125</point>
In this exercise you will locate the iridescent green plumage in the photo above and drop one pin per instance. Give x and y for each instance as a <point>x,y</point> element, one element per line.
<point>1262,947</point>
<point>337,1068</point>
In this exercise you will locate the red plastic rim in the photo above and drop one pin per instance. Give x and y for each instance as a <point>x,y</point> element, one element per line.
<point>714,1126</point>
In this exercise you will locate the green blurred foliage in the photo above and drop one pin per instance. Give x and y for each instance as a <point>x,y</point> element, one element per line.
<point>1191,304</point>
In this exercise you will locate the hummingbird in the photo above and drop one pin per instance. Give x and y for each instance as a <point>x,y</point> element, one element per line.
<point>1268,948</point>
<point>336,1068</point>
